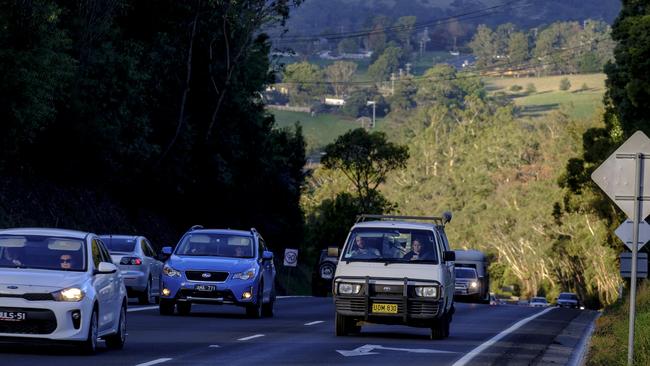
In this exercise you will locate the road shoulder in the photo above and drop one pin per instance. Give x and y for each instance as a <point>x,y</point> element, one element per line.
<point>570,346</point>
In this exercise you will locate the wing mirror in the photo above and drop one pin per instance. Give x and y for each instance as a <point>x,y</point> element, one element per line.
<point>106,268</point>
<point>449,256</point>
<point>333,252</point>
<point>267,255</point>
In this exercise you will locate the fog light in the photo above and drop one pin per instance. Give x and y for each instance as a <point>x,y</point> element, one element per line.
<point>76,319</point>
<point>246,295</point>
<point>166,292</point>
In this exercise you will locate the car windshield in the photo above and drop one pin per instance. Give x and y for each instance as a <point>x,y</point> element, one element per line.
<point>119,244</point>
<point>568,297</point>
<point>42,252</point>
<point>391,246</point>
<point>538,299</point>
<point>216,245</point>
<point>465,273</point>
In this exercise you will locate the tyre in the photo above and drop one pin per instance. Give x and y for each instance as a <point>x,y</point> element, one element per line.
<point>255,310</point>
<point>267,309</point>
<point>144,298</point>
<point>440,329</point>
<point>184,308</point>
<point>117,340</point>
<point>345,325</point>
<point>166,307</point>
<point>89,346</point>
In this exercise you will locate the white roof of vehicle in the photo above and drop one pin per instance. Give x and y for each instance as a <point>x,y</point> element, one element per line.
<point>395,224</point>
<point>45,232</point>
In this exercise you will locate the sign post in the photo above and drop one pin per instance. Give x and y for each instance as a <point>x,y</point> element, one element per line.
<point>622,178</point>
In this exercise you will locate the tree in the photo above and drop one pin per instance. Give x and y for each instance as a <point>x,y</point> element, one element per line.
<point>306,82</point>
<point>348,45</point>
<point>386,64</point>
<point>484,46</point>
<point>365,159</point>
<point>565,84</point>
<point>517,48</point>
<point>502,35</point>
<point>340,73</point>
<point>404,28</point>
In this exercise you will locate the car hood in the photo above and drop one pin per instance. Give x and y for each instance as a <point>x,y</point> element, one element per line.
<point>31,281</point>
<point>414,271</point>
<point>210,263</point>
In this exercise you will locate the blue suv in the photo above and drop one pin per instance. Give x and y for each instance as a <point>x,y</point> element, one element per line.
<point>210,266</point>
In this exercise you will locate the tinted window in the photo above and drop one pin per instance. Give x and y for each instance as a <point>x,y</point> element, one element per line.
<point>538,299</point>
<point>568,297</point>
<point>391,245</point>
<point>465,273</point>
<point>97,253</point>
<point>119,244</point>
<point>216,245</point>
<point>42,252</point>
<point>106,257</point>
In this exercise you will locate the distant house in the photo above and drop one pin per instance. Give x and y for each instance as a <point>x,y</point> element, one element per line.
<point>335,101</point>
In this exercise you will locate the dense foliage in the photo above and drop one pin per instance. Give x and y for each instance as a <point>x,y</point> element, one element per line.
<point>153,105</point>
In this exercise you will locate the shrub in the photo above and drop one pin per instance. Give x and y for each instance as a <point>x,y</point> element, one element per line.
<point>530,88</point>
<point>565,84</point>
<point>584,86</point>
<point>516,88</point>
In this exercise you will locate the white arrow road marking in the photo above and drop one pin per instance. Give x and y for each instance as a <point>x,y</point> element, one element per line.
<point>142,308</point>
<point>251,337</point>
<point>154,362</point>
<point>369,348</point>
<point>468,357</point>
<point>316,322</point>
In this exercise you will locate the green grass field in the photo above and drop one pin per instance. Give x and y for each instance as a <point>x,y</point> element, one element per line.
<point>579,103</point>
<point>319,130</point>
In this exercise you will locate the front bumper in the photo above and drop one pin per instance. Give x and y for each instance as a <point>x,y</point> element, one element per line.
<point>230,292</point>
<point>46,320</point>
<point>411,310</point>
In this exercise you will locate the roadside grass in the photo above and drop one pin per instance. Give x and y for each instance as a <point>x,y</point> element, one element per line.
<point>578,102</point>
<point>609,341</point>
<point>319,130</point>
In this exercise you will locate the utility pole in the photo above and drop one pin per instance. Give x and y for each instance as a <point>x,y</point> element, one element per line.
<point>408,69</point>
<point>374,106</point>
<point>392,83</point>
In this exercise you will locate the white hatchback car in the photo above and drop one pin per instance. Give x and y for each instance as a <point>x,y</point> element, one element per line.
<point>60,285</point>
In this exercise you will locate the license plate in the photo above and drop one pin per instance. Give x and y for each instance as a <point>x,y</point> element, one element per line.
<point>205,287</point>
<point>11,316</point>
<point>384,308</point>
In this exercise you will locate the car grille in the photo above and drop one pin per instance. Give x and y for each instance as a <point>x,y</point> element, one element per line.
<point>356,305</point>
<point>30,297</point>
<point>225,295</point>
<point>214,276</point>
<point>39,321</point>
<point>387,289</point>
<point>416,308</point>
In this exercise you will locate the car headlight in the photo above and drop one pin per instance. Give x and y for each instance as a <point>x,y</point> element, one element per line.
<point>73,294</point>
<point>349,288</point>
<point>169,271</point>
<point>473,284</point>
<point>427,291</point>
<point>246,275</point>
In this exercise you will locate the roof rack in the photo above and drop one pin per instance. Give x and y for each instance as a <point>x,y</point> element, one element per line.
<point>446,217</point>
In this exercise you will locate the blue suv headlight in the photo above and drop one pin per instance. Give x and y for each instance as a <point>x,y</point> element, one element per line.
<point>169,271</point>
<point>246,275</point>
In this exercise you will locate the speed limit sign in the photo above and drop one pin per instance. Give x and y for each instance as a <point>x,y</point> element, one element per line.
<point>290,257</point>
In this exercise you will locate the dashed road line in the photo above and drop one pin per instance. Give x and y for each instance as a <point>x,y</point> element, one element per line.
<point>154,362</point>
<point>316,322</point>
<point>251,337</point>
<point>142,308</point>
<point>214,346</point>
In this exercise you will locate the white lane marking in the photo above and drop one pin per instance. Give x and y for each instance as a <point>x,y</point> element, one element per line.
<point>251,337</point>
<point>214,346</point>
<point>154,362</point>
<point>292,297</point>
<point>142,308</point>
<point>369,348</point>
<point>316,322</point>
<point>468,357</point>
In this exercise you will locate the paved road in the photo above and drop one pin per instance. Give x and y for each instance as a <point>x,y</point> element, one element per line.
<point>302,333</point>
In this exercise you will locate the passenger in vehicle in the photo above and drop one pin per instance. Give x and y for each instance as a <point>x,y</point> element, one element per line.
<point>362,251</point>
<point>66,261</point>
<point>417,252</point>
<point>11,257</point>
<point>242,252</point>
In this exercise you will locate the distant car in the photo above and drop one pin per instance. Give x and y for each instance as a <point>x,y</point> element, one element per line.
<point>60,285</point>
<point>476,288</point>
<point>568,300</point>
<point>140,268</point>
<point>211,266</point>
<point>494,300</point>
<point>322,276</point>
<point>467,285</point>
<point>538,302</point>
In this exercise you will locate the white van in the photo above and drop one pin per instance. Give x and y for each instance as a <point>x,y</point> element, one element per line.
<point>395,270</point>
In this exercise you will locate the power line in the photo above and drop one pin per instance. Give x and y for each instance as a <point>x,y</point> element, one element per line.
<point>444,20</point>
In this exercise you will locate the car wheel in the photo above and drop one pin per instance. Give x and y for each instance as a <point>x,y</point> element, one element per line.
<point>255,310</point>
<point>166,307</point>
<point>184,308</point>
<point>117,340</point>
<point>440,329</point>
<point>144,298</point>
<point>345,325</point>
<point>267,309</point>
<point>89,346</point>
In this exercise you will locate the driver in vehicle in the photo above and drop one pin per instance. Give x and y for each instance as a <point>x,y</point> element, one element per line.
<point>362,251</point>
<point>11,257</point>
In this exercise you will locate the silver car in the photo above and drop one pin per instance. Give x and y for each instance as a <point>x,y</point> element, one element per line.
<point>137,261</point>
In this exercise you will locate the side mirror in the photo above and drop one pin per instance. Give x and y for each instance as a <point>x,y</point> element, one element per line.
<point>333,252</point>
<point>106,268</point>
<point>449,256</point>
<point>167,251</point>
<point>267,256</point>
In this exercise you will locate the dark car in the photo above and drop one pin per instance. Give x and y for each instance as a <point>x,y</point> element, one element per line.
<point>321,280</point>
<point>568,300</point>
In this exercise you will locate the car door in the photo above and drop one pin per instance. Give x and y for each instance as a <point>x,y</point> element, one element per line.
<point>116,283</point>
<point>449,265</point>
<point>104,287</point>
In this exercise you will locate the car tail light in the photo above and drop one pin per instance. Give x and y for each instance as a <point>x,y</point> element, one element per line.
<point>131,261</point>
